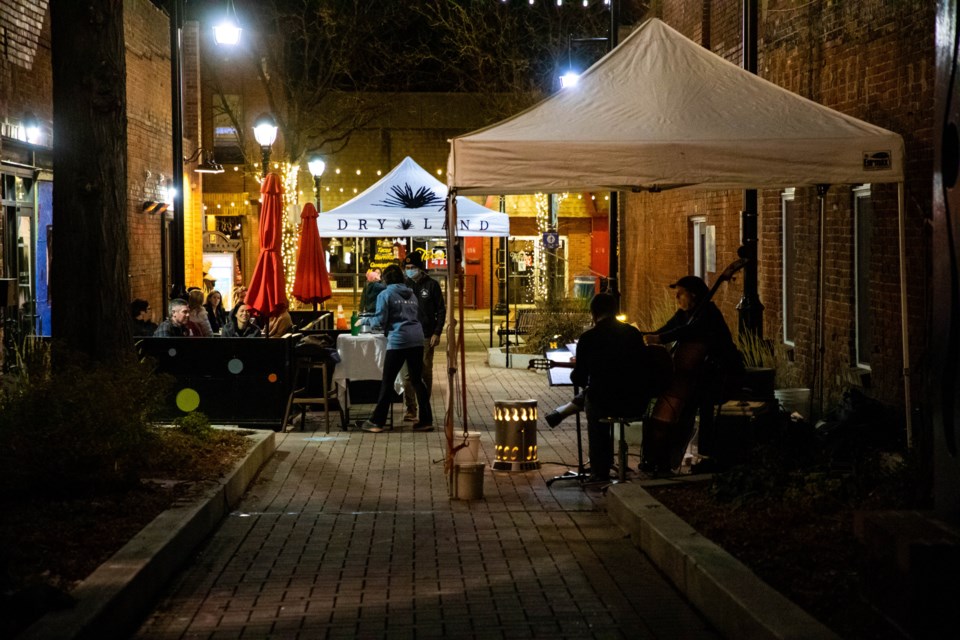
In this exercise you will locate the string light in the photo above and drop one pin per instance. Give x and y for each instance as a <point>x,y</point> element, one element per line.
<point>358,171</point>
<point>291,233</point>
<point>337,171</point>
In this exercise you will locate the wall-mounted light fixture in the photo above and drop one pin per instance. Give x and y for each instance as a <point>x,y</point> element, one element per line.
<point>32,128</point>
<point>207,164</point>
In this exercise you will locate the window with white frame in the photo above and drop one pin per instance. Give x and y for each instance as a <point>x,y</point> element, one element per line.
<point>863,223</point>
<point>788,226</point>
<point>698,246</point>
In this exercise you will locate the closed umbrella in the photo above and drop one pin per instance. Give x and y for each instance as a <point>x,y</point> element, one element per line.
<point>311,283</point>
<point>267,292</point>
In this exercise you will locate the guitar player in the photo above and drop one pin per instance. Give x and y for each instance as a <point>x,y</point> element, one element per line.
<point>706,364</point>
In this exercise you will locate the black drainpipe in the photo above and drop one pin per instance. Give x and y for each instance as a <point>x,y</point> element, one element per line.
<point>750,308</point>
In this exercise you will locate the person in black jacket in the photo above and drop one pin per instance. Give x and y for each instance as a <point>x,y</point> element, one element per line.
<point>142,318</point>
<point>618,373</point>
<point>432,315</point>
<point>216,314</point>
<point>241,324</point>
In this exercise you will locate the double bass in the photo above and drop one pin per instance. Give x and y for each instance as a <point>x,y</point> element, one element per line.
<point>670,425</point>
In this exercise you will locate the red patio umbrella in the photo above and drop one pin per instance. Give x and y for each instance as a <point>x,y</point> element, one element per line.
<point>267,291</point>
<point>311,284</point>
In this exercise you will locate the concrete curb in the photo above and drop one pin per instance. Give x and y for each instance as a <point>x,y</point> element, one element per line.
<point>113,600</point>
<point>738,603</point>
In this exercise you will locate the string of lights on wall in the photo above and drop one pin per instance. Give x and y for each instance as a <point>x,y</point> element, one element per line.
<point>583,3</point>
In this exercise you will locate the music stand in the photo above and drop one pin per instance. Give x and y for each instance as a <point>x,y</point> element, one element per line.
<point>558,375</point>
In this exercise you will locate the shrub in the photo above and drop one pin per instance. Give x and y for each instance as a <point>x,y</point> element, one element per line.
<point>556,324</point>
<point>82,429</point>
<point>195,424</point>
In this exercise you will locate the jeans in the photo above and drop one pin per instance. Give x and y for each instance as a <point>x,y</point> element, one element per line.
<point>393,361</point>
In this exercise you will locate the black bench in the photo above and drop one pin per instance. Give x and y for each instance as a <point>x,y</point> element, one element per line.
<point>520,327</point>
<point>242,381</point>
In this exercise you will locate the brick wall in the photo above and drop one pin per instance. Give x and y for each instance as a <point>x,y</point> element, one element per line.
<point>149,162</point>
<point>873,60</point>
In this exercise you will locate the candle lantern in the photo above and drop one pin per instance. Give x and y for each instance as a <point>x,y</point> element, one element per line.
<point>516,445</point>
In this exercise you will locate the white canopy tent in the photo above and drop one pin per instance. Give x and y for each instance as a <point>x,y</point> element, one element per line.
<point>409,201</point>
<point>661,112</point>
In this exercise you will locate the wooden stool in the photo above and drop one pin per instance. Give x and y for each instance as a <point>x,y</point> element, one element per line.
<point>302,396</point>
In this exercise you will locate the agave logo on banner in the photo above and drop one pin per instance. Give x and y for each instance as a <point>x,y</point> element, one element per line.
<point>407,198</point>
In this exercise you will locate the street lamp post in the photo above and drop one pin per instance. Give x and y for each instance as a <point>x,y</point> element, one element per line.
<point>316,166</point>
<point>265,131</point>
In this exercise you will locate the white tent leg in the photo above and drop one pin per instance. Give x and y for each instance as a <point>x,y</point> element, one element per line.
<point>904,328</point>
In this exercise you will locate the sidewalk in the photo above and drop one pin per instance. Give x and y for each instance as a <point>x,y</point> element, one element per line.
<point>353,535</point>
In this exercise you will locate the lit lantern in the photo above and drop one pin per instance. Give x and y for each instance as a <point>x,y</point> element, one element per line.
<point>516,445</point>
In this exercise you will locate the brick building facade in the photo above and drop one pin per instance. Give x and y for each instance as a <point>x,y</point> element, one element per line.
<point>873,60</point>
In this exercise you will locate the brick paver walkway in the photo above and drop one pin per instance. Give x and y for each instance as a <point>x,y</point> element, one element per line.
<point>353,535</point>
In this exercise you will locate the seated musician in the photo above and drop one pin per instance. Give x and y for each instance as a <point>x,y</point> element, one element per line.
<point>613,366</point>
<point>705,360</point>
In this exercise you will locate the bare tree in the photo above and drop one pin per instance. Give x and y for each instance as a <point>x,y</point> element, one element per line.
<point>316,61</point>
<point>511,54</point>
<point>89,283</point>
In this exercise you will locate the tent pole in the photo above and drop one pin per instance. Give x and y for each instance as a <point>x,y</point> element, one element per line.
<point>904,329</point>
<point>452,346</point>
<point>491,271</point>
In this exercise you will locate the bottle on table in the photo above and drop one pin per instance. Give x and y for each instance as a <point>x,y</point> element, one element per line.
<point>354,324</point>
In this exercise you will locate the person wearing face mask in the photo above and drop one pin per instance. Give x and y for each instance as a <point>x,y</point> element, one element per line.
<point>432,313</point>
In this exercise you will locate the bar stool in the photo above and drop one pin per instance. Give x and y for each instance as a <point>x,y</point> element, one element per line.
<point>623,449</point>
<point>303,396</point>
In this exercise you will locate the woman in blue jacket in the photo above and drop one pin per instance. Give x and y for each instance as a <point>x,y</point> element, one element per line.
<point>397,314</point>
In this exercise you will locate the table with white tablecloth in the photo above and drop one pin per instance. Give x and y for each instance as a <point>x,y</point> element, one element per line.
<point>361,358</point>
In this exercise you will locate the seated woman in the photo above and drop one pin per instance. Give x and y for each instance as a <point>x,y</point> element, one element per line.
<point>196,312</point>
<point>216,314</point>
<point>242,325</point>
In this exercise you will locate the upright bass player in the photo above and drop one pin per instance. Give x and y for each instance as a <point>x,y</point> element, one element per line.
<point>706,364</point>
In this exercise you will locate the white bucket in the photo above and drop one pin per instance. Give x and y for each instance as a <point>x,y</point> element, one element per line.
<point>794,400</point>
<point>468,481</point>
<point>470,454</point>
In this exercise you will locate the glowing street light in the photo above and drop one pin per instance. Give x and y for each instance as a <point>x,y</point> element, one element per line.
<point>228,30</point>
<point>265,131</point>
<point>316,166</point>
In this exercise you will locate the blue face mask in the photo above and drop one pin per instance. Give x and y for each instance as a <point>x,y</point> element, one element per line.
<point>411,273</point>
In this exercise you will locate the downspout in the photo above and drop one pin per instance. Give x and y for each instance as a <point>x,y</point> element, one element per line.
<point>613,269</point>
<point>750,308</point>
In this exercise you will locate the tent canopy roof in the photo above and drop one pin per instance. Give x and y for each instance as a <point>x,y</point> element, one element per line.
<point>409,201</point>
<point>659,112</point>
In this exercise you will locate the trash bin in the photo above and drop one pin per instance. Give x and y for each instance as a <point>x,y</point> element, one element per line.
<point>584,287</point>
<point>468,481</point>
<point>516,445</point>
